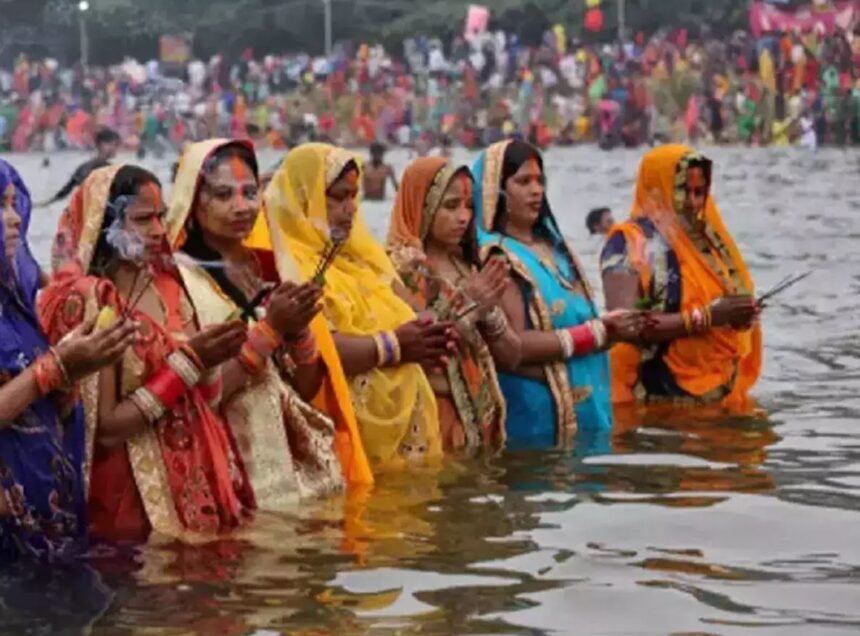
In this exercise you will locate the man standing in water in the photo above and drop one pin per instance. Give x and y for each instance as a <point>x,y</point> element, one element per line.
<point>599,221</point>
<point>107,145</point>
<point>377,173</point>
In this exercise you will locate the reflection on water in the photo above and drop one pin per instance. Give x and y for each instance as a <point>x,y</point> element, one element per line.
<point>685,522</point>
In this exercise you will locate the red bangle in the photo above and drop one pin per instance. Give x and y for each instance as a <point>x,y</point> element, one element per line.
<point>251,360</point>
<point>166,386</point>
<point>305,351</point>
<point>49,373</point>
<point>583,340</point>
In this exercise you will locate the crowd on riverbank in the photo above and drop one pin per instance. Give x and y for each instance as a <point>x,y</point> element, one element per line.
<point>776,89</point>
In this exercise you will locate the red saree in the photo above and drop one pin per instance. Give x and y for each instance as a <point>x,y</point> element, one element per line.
<point>181,478</point>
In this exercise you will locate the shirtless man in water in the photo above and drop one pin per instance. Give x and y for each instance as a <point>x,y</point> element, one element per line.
<point>377,173</point>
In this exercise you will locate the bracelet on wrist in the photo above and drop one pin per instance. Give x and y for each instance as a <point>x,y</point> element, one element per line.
<point>495,325</point>
<point>388,351</point>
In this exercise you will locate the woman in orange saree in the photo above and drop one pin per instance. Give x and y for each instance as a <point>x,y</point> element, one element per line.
<point>157,458</point>
<point>289,448</point>
<point>433,244</point>
<point>676,258</point>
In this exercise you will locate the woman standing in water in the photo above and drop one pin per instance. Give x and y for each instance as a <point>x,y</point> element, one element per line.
<point>562,381</point>
<point>433,244</point>
<point>288,447</point>
<point>157,458</point>
<point>703,344</point>
<point>42,505</point>
<point>313,215</point>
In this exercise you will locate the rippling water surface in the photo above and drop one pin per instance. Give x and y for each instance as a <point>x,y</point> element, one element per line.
<point>691,523</point>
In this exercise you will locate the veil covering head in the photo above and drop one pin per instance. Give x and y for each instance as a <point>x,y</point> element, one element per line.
<point>395,406</point>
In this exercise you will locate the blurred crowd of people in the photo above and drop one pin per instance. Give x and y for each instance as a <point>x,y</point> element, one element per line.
<point>777,89</point>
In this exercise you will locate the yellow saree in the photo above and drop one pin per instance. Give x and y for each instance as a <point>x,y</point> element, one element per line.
<point>287,446</point>
<point>395,407</point>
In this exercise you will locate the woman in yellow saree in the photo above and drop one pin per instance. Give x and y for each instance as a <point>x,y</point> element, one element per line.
<point>676,258</point>
<point>288,446</point>
<point>311,208</point>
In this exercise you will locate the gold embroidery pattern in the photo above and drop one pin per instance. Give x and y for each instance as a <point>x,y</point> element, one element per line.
<point>434,196</point>
<point>335,161</point>
<point>94,214</point>
<point>268,420</point>
<point>144,451</point>
<point>557,377</point>
<point>493,159</point>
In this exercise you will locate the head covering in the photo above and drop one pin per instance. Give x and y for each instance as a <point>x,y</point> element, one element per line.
<point>722,357</point>
<point>41,460</point>
<point>418,198</point>
<point>25,271</point>
<point>334,398</point>
<point>159,468</point>
<point>558,297</point>
<point>477,406</point>
<point>81,222</point>
<point>395,406</point>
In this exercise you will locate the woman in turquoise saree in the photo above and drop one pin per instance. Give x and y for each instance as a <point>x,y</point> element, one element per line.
<point>563,384</point>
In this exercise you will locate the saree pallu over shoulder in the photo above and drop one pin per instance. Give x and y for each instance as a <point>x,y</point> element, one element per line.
<point>333,398</point>
<point>188,482</point>
<point>722,364</point>
<point>41,450</point>
<point>395,407</point>
<point>472,413</point>
<point>287,445</point>
<point>577,390</point>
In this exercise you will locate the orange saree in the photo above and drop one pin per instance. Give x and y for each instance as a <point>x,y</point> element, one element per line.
<point>661,246</point>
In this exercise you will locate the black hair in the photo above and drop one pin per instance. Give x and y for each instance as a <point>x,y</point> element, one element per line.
<point>107,136</point>
<point>516,154</point>
<point>126,184</point>
<point>195,244</point>
<point>592,221</point>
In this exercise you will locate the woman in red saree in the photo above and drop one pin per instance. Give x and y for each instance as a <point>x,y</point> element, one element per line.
<point>157,458</point>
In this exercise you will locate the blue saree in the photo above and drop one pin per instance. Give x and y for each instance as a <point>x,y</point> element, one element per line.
<point>41,451</point>
<point>576,393</point>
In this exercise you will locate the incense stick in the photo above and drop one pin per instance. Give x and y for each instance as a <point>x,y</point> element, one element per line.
<point>789,281</point>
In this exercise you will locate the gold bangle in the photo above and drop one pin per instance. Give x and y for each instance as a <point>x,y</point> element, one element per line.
<point>566,341</point>
<point>185,368</point>
<point>151,407</point>
<point>688,323</point>
<point>395,346</point>
<point>380,349</point>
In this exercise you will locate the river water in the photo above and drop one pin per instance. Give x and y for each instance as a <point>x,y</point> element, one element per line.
<point>692,523</point>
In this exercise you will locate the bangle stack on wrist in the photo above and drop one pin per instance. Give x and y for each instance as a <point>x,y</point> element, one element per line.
<point>51,374</point>
<point>583,339</point>
<point>494,325</point>
<point>387,349</point>
<point>262,342</point>
<point>166,387</point>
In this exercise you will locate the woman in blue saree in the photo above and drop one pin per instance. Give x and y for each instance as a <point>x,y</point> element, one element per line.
<point>41,430</point>
<point>562,385</point>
